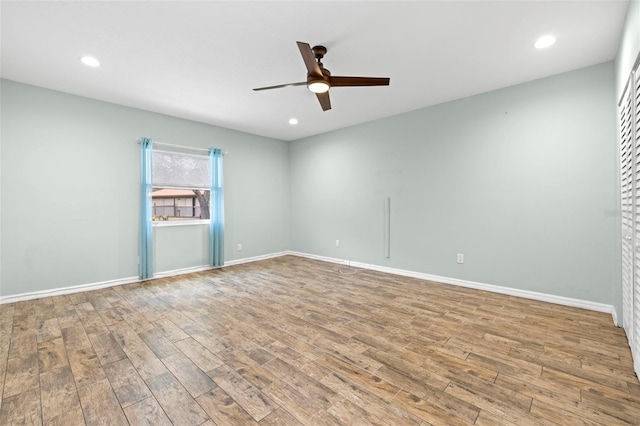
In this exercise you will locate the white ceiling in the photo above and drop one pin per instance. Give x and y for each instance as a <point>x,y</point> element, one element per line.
<point>199,60</point>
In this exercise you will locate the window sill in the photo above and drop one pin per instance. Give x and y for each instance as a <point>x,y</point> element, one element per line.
<point>186,222</point>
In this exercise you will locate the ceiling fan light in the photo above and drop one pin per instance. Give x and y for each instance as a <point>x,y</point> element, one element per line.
<point>318,86</point>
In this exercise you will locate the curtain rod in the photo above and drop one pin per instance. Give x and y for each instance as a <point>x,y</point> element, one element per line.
<point>180,146</point>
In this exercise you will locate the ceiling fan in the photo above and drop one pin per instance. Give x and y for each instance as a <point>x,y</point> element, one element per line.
<point>320,80</point>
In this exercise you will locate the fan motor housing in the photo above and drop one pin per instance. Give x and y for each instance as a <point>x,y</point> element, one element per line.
<point>326,77</point>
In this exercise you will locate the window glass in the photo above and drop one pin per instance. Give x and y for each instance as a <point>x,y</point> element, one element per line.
<point>181,186</point>
<point>180,170</point>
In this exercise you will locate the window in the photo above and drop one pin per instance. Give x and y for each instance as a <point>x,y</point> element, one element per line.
<point>181,186</point>
<point>176,170</point>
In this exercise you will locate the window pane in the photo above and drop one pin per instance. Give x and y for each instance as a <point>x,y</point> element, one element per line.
<point>180,204</point>
<point>179,170</point>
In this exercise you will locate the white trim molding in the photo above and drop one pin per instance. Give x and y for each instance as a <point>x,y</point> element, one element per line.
<point>201,268</point>
<point>560,300</point>
<point>257,258</point>
<point>184,222</point>
<point>544,297</point>
<point>181,271</point>
<point>614,314</point>
<point>66,290</point>
<point>129,280</point>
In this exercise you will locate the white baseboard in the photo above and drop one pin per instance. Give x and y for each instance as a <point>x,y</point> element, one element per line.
<point>66,290</point>
<point>181,271</point>
<point>129,280</point>
<point>560,300</point>
<point>256,258</point>
<point>201,268</point>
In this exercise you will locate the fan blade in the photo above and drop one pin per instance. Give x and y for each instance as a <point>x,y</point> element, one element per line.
<point>358,81</point>
<point>325,102</point>
<point>309,59</point>
<point>301,83</point>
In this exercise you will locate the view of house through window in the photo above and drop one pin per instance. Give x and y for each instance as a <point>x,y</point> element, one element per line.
<point>180,204</point>
<point>181,186</point>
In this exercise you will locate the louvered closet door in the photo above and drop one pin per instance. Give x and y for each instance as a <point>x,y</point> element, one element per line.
<point>635,125</point>
<point>627,160</point>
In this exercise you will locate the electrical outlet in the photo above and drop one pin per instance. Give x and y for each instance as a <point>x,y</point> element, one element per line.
<point>460,258</point>
<point>337,243</point>
<point>240,247</point>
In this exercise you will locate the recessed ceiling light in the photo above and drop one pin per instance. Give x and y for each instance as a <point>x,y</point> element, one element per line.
<point>90,61</point>
<point>544,42</point>
<point>293,121</point>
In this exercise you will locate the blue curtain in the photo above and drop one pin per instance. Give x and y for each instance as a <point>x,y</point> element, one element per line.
<point>145,268</point>
<point>216,204</point>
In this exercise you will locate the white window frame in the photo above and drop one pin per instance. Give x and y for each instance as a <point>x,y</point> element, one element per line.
<point>185,222</point>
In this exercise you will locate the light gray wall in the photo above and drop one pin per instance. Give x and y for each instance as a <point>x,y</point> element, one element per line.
<point>521,180</point>
<point>70,191</point>
<point>180,247</point>
<point>629,46</point>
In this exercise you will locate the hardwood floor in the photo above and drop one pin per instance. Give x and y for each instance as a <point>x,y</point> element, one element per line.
<point>292,341</point>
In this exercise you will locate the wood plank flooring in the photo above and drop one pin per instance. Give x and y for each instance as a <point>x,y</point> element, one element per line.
<point>292,341</point>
